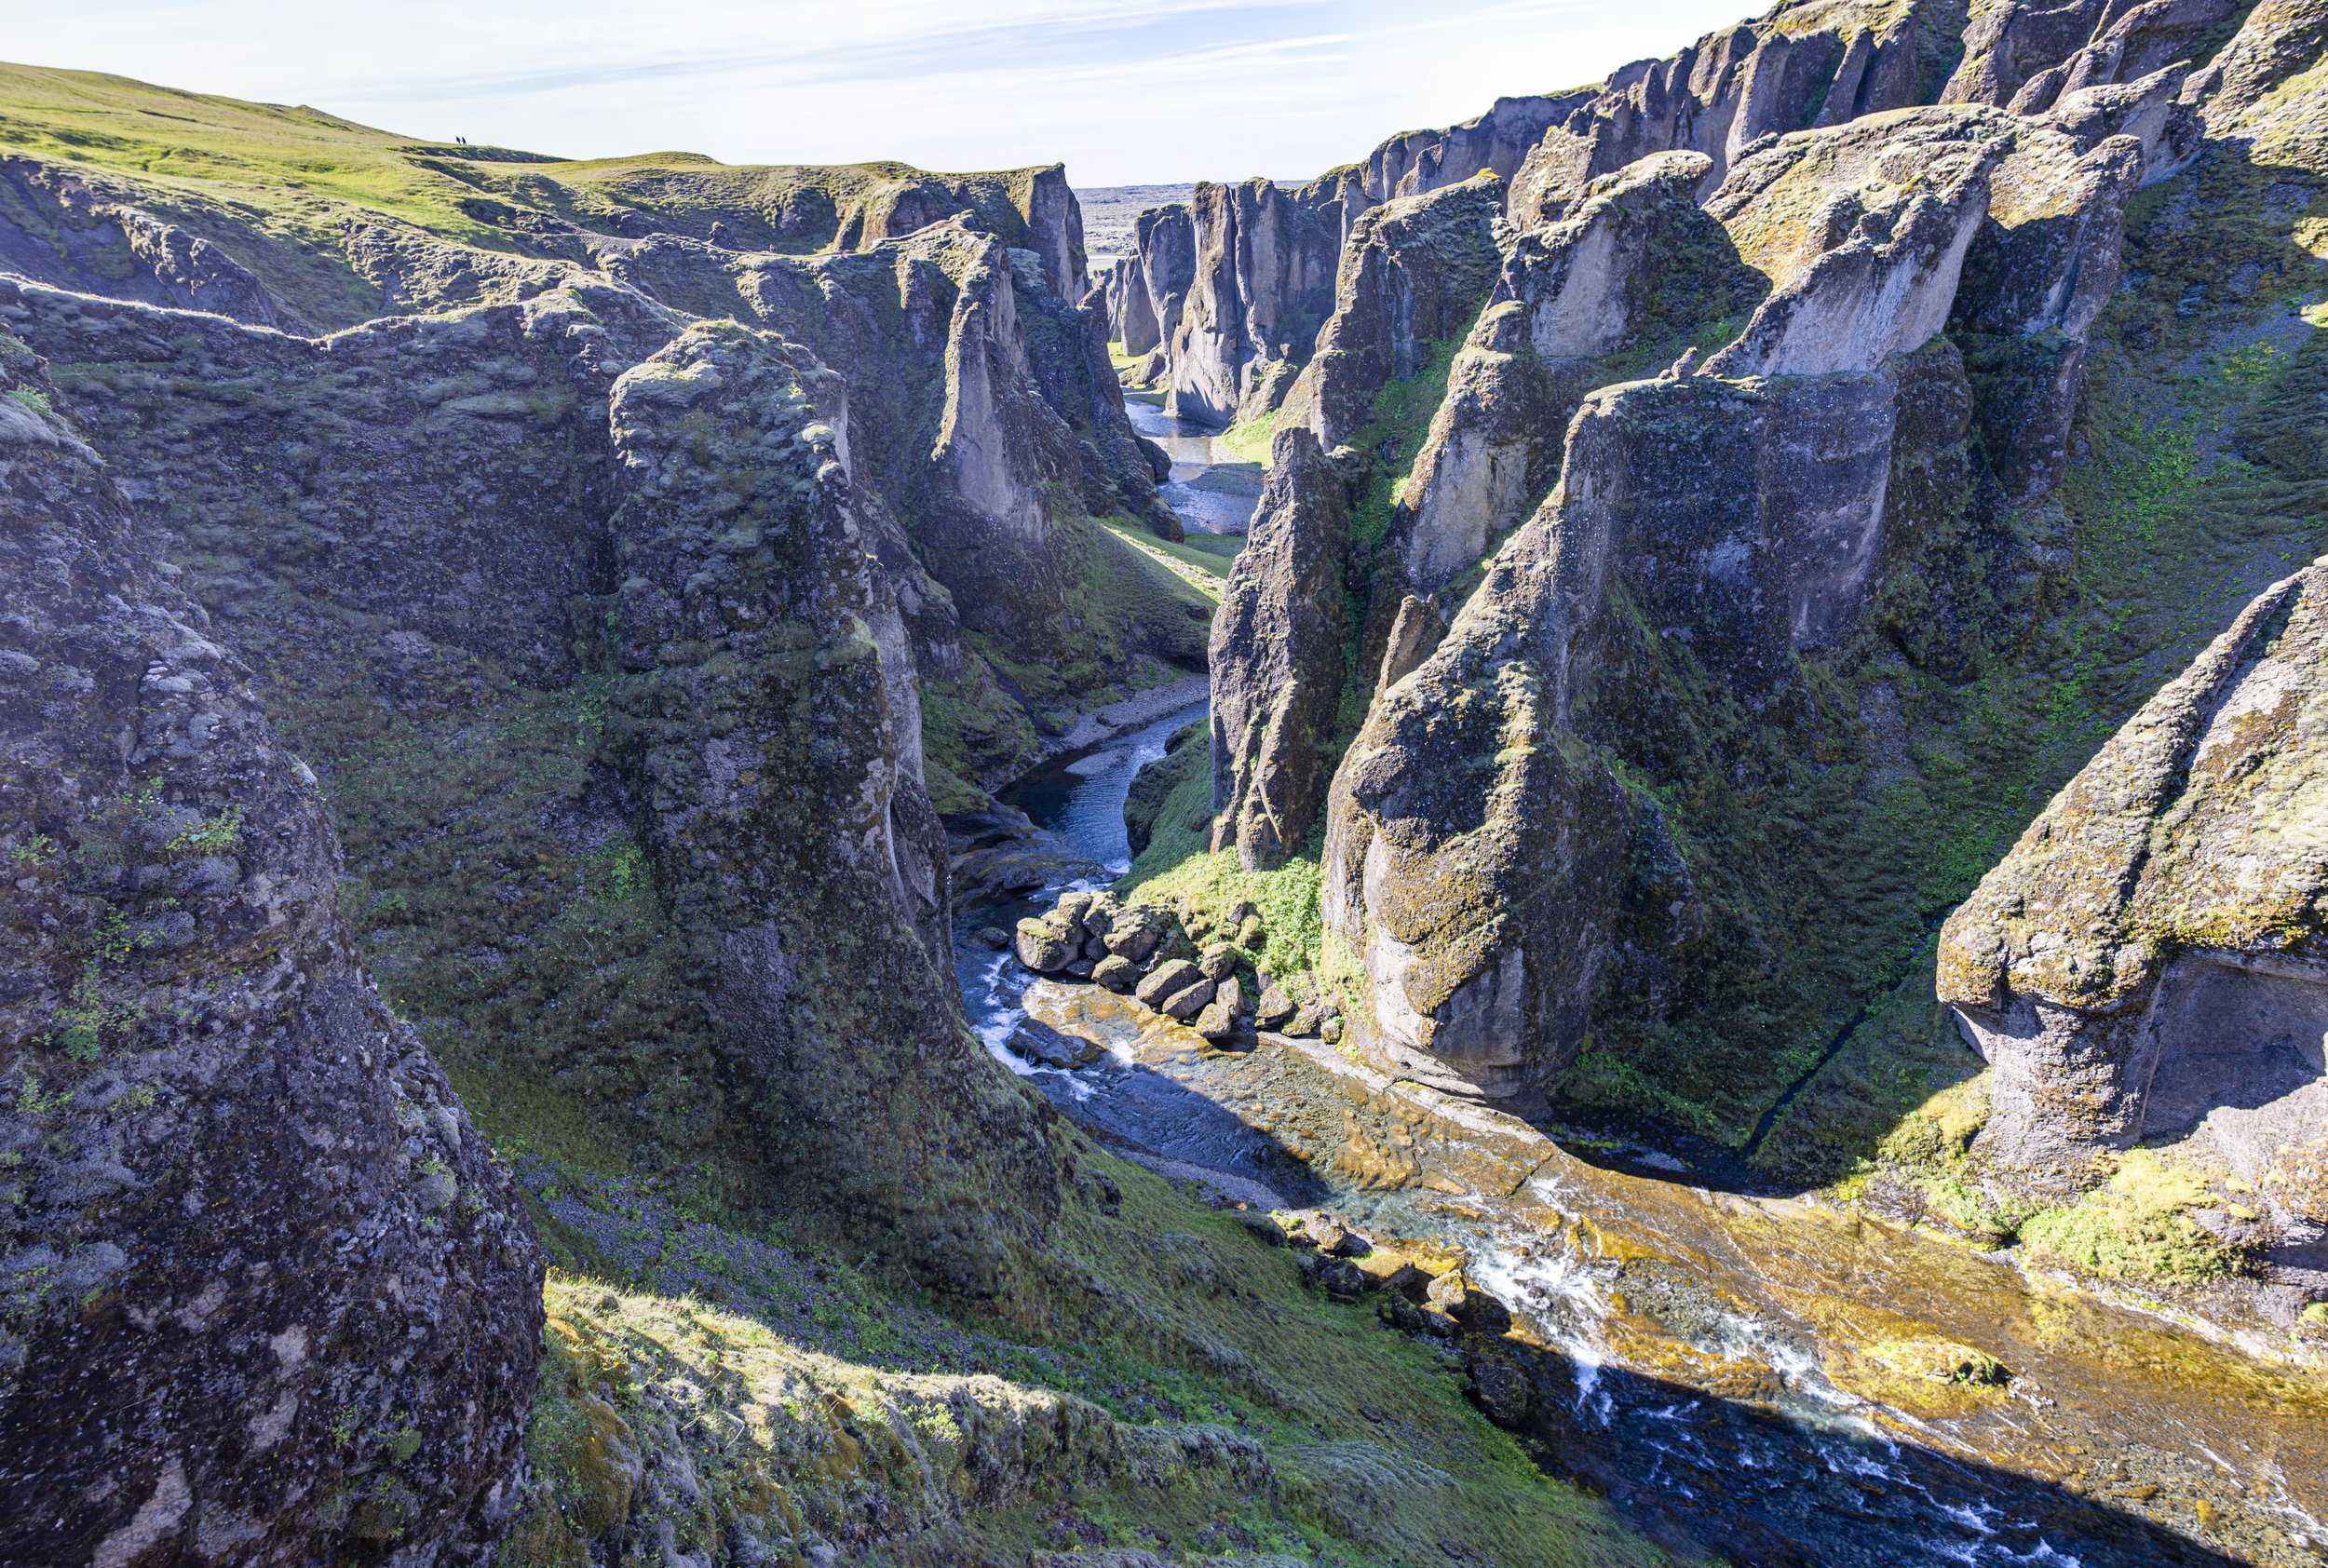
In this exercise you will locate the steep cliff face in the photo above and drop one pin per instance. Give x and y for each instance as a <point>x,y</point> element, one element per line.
<point>1804,65</point>
<point>1263,266</point>
<point>1487,907</point>
<point>1634,262</point>
<point>1145,313</point>
<point>1713,530</point>
<point>1412,276</point>
<point>770,722</point>
<point>243,1202</point>
<point>2147,962</point>
<point>2025,57</point>
<point>647,934</point>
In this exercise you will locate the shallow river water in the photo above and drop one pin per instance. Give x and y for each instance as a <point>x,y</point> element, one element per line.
<point>1725,1366</point>
<point>1211,491</point>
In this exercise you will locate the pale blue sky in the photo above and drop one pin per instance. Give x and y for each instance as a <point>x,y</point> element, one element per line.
<point>1132,92</point>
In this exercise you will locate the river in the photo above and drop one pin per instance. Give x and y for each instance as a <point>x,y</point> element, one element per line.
<point>1724,1365</point>
<point>1211,490</point>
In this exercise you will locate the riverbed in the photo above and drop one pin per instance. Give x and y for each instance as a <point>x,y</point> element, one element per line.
<point>1727,1366</point>
<point>1210,488</point>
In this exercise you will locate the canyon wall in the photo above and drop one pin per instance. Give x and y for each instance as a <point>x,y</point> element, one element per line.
<point>2148,962</point>
<point>1567,839</point>
<point>633,647</point>
<point>265,1294</point>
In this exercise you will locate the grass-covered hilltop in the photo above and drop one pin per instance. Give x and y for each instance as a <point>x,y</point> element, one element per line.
<point>1778,626</point>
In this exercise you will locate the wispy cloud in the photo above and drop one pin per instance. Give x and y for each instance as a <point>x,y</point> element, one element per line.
<point>1123,91</point>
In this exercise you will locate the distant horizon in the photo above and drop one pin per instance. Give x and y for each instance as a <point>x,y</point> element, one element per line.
<point>1310,84</point>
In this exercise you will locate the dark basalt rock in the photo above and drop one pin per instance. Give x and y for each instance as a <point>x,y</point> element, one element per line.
<point>770,716</point>
<point>266,1295</point>
<point>1263,278</point>
<point>2148,961</point>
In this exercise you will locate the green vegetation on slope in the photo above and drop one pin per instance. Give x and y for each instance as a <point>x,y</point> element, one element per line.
<point>1185,1395</point>
<point>2199,479</point>
<point>277,186</point>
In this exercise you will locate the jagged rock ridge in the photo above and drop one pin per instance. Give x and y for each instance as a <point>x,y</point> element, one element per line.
<point>1519,849</point>
<point>266,1295</point>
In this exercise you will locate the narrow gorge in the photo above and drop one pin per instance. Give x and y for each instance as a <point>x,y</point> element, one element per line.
<point>1602,840</point>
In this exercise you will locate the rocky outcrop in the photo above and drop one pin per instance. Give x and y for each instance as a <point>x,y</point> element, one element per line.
<point>1485,903</point>
<point>266,1295</point>
<point>2260,93</point>
<point>1863,231</point>
<point>1412,276</point>
<point>1411,279</point>
<point>2024,55</point>
<point>2045,262</point>
<point>1414,162</point>
<point>772,723</point>
<point>1570,294</point>
<point>57,226</point>
<point>1277,659</point>
<point>252,236</point>
<point>1264,274</point>
<point>1731,521</point>
<point>1807,64</point>
<point>2148,961</point>
<point>986,424</point>
<point>1156,277</point>
<point>730,562</point>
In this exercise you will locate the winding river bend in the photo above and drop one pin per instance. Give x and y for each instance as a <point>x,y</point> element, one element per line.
<point>1725,1366</point>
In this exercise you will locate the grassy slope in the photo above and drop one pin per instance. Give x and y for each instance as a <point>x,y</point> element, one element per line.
<point>804,1398</point>
<point>272,183</point>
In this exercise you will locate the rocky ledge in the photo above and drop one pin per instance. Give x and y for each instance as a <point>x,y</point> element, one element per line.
<point>1177,963</point>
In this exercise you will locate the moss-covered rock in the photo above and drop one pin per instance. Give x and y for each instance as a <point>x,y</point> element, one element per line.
<point>238,1195</point>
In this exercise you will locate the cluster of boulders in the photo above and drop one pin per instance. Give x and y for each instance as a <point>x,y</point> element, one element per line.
<point>1176,962</point>
<point>1421,1290</point>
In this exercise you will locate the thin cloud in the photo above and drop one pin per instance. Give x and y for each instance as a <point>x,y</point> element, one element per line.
<point>1123,91</point>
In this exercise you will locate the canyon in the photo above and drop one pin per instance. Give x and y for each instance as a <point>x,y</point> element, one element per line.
<point>1593,843</point>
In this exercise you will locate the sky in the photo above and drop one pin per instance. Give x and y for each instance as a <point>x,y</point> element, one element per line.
<point>1122,92</point>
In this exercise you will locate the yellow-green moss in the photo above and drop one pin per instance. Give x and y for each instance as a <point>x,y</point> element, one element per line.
<point>2137,1225</point>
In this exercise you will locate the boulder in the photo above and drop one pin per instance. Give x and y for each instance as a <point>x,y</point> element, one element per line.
<point>1167,980</point>
<point>1408,1281</point>
<point>1188,1001</point>
<point>1259,1226</point>
<point>1219,962</point>
<point>1136,932</point>
<point>1117,974</point>
<point>992,936</point>
<point>1336,1277</point>
<point>1465,1303</point>
<point>1402,1314</point>
<point>1502,1393</point>
<point>1224,1015</point>
<point>1040,946</point>
<point>1038,1042</point>
<point>1273,1008</point>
